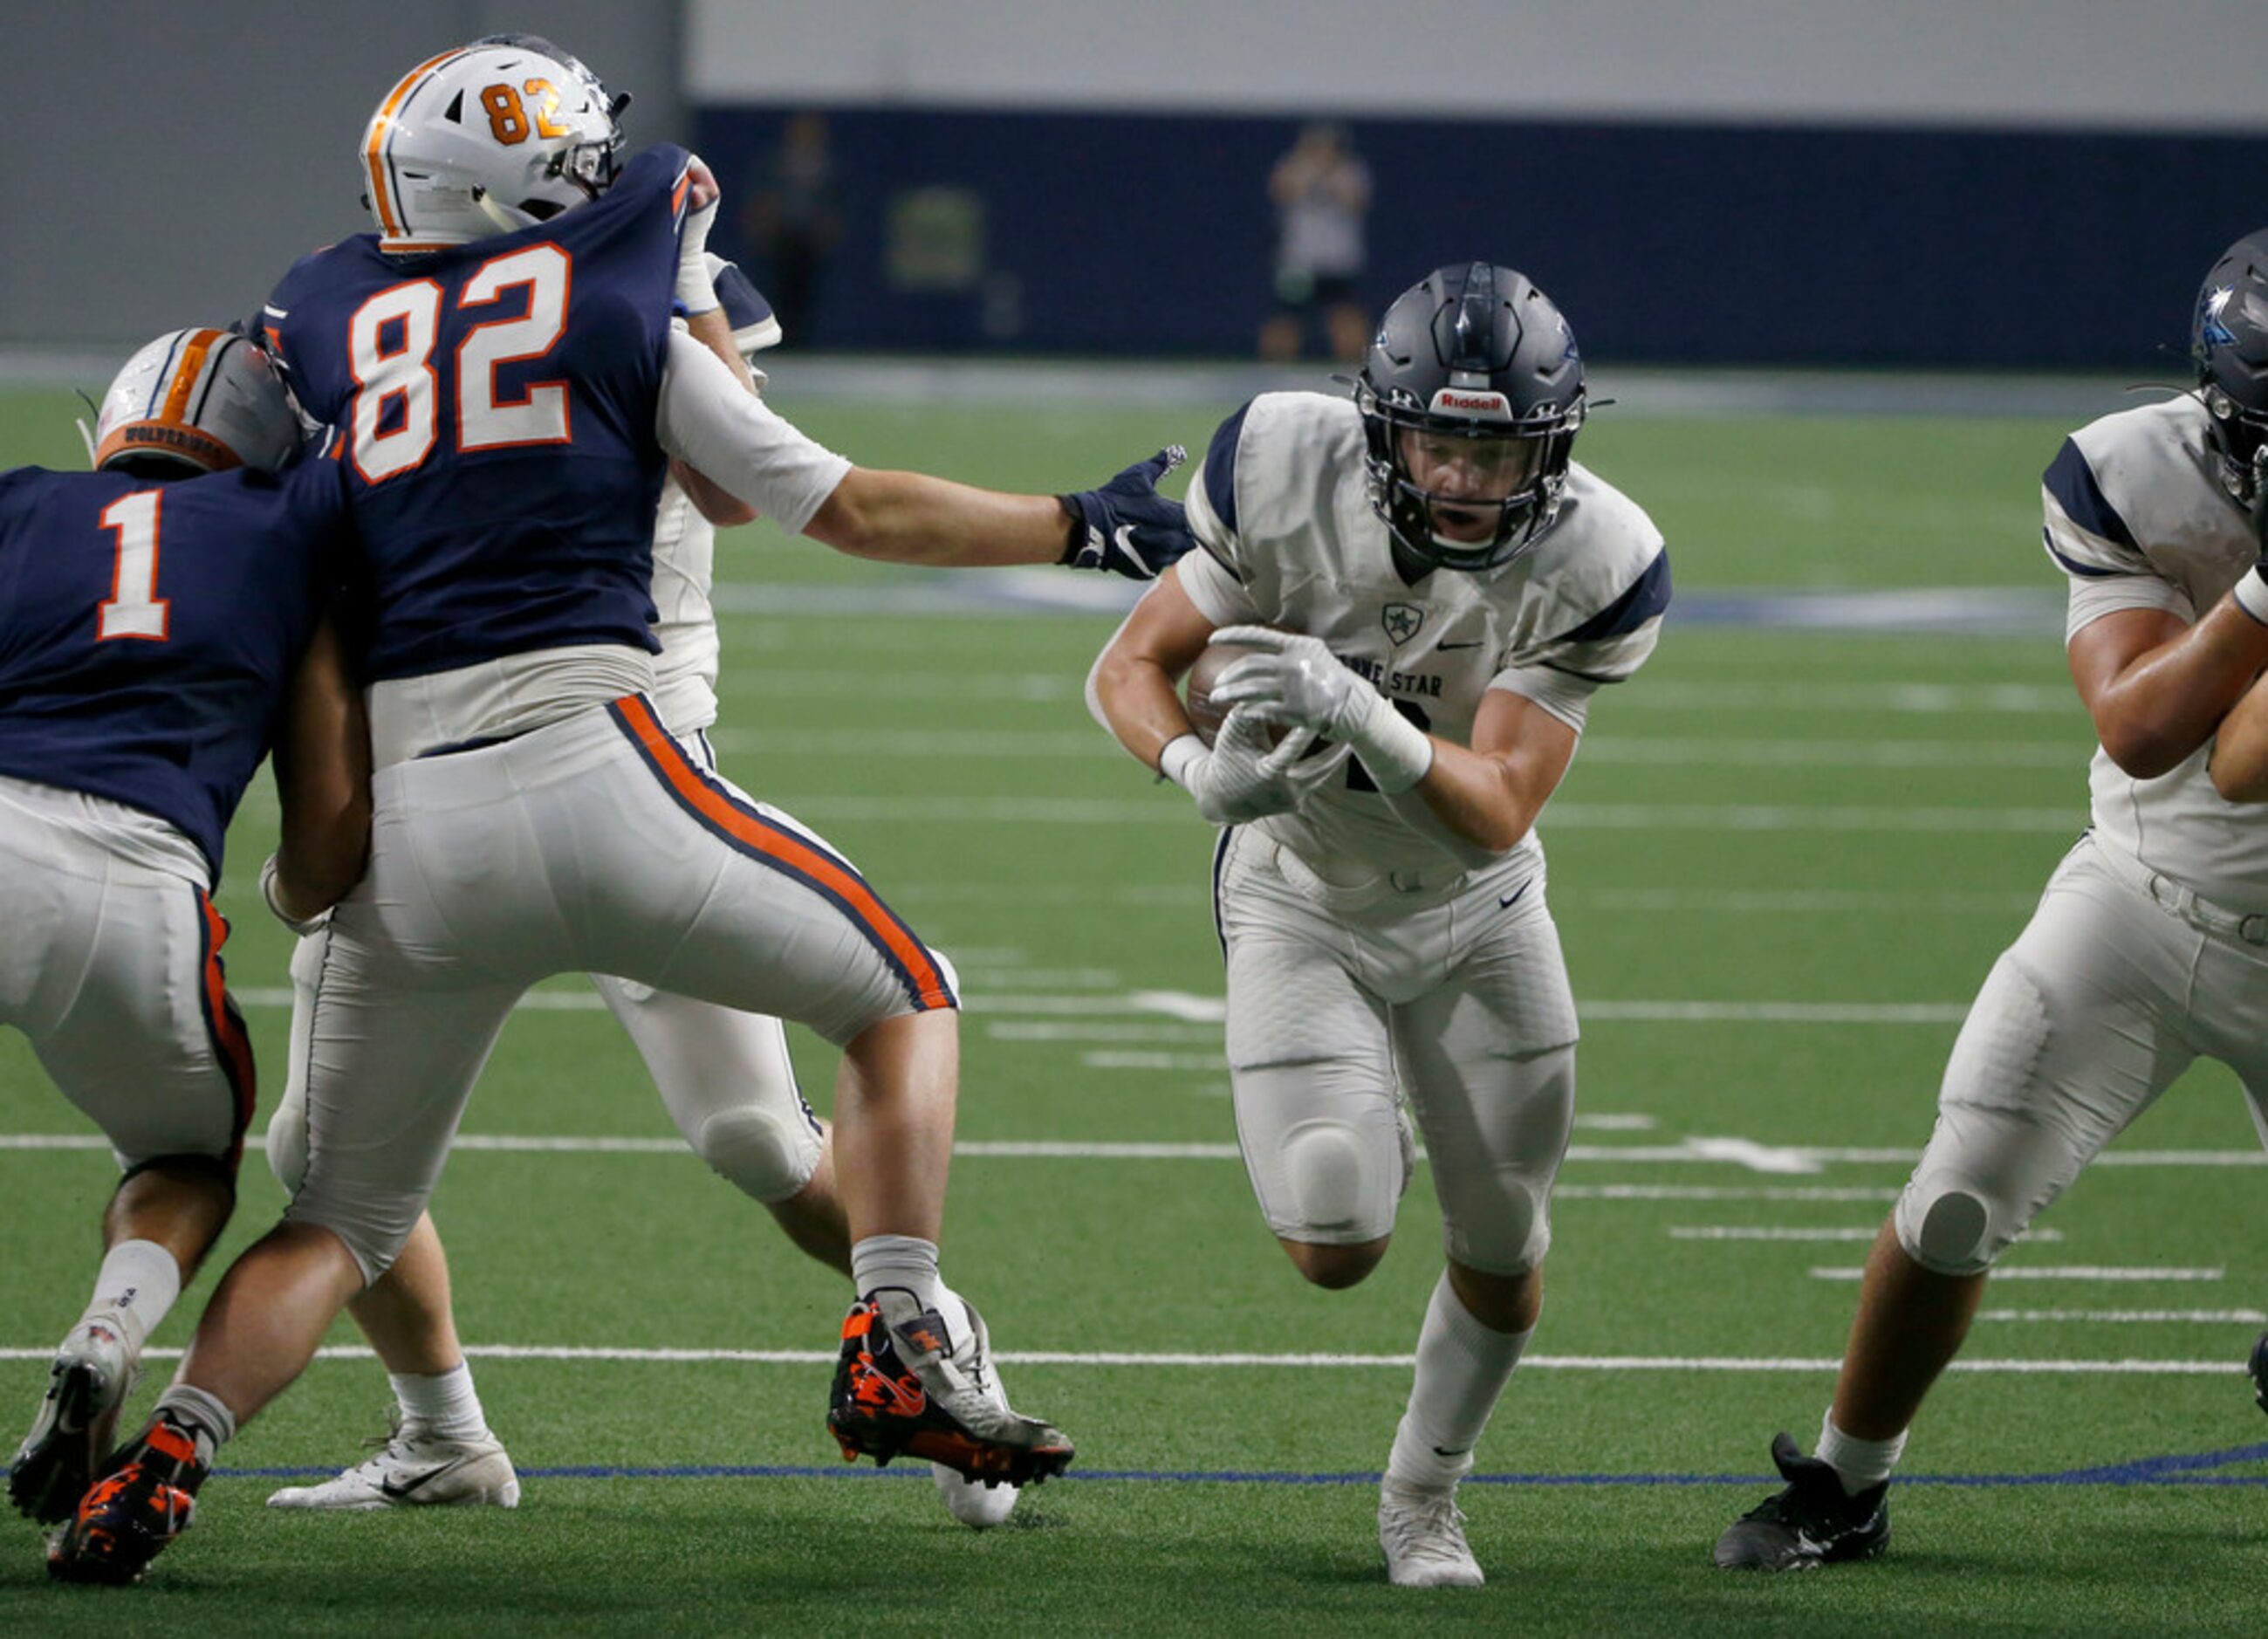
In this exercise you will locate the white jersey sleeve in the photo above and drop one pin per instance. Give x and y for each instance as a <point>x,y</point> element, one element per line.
<point>713,424</point>
<point>2137,518</point>
<point>1210,575</point>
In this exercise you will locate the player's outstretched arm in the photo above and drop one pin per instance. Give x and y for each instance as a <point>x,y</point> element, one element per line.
<point>321,765</point>
<point>1130,689</point>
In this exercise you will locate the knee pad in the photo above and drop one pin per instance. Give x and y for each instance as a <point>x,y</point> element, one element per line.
<point>1947,1227</point>
<point>287,1143</point>
<point>766,1156</point>
<point>1325,1164</point>
<point>1510,1236</point>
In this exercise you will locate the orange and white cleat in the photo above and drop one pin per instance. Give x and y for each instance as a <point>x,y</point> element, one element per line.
<point>904,1386</point>
<point>129,1515</point>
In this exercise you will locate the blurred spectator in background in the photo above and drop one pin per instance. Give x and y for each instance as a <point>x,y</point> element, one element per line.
<point>1321,191</point>
<point>794,219</point>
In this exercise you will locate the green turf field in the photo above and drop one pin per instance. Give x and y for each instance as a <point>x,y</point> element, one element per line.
<point>1782,864</point>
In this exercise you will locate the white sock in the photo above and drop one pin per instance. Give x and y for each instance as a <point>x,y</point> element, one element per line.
<point>1858,1463</point>
<point>139,1284</point>
<point>904,1261</point>
<point>199,1415</point>
<point>1462,1367</point>
<point>445,1401</point>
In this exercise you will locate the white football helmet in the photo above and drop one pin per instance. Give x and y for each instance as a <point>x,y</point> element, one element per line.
<point>488,138</point>
<point>202,400</point>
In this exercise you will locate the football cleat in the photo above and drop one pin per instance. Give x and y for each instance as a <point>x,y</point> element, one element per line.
<point>902,1385</point>
<point>1811,1523</point>
<point>129,1515</point>
<point>86,1386</point>
<point>1423,1531</point>
<point>2258,1367</point>
<point>415,1468</point>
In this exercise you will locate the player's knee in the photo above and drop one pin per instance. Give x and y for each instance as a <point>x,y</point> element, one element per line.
<point>1333,1267</point>
<point>1330,1169</point>
<point>765,1154</point>
<point>1947,1227</point>
<point>1508,1237</point>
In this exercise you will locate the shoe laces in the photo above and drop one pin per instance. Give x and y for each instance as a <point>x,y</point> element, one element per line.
<point>1420,1521</point>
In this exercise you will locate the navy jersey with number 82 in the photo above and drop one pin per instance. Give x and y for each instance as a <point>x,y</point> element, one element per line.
<point>495,403</point>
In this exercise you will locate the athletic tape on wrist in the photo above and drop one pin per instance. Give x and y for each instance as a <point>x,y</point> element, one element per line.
<point>1173,763</point>
<point>1397,752</point>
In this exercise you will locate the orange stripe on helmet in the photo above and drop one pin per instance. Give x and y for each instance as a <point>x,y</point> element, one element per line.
<point>188,366</point>
<point>880,923</point>
<point>381,126</point>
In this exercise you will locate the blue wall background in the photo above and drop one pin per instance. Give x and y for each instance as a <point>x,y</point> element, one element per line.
<point>1666,243</point>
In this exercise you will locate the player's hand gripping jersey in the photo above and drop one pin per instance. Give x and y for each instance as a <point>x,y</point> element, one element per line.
<point>147,630</point>
<point>1291,540</point>
<point>2137,518</point>
<point>495,405</point>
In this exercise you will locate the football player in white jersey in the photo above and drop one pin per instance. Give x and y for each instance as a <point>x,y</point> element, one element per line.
<point>2150,946</point>
<point>1435,588</point>
<point>724,1077</point>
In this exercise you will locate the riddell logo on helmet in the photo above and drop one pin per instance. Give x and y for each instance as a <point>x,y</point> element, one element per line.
<point>1455,401</point>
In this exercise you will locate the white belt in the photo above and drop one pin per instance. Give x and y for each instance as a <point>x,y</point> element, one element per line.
<point>2186,903</point>
<point>1429,880</point>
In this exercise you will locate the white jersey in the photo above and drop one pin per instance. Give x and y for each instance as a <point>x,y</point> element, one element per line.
<point>2137,517</point>
<point>712,422</point>
<point>1281,507</point>
<point>685,622</point>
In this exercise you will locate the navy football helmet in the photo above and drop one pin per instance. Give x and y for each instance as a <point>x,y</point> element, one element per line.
<point>2228,344</point>
<point>1471,396</point>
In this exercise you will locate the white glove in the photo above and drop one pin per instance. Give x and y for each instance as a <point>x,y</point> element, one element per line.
<point>696,287</point>
<point>1299,682</point>
<point>302,925</point>
<point>1241,779</point>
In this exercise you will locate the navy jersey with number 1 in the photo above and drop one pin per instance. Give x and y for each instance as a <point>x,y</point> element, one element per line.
<point>495,403</point>
<point>149,631</point>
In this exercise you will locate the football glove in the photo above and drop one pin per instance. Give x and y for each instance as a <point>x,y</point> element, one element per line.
<point>1126,527</point>
<point>1300,683</point>
<point>1241,779</point>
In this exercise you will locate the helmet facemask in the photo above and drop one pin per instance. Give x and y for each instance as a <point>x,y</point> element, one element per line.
<point>1461,491</point>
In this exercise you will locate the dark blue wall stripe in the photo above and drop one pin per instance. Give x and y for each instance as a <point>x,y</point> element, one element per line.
<point>1686,243</point>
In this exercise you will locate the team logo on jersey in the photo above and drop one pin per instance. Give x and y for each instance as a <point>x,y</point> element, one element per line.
<point>1401,621</point>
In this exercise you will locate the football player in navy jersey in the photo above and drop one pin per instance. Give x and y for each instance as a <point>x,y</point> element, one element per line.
<point>158,630</point>
<point>499,363</point>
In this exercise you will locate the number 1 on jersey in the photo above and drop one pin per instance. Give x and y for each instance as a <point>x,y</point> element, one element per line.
<point>133,609</point>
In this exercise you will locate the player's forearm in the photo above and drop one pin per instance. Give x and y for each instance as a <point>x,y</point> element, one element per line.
<point>1134,697</point>
<point>1480,803</point>
<point>321,767</point>
<point>2240,751</point>
<point>2163,705</point>
<point>911,518</point>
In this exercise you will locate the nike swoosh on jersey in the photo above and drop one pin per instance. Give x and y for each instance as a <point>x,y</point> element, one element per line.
<point>1507,900</point>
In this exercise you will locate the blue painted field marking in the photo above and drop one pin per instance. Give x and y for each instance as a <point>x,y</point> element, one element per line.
<point>2176,1469</point>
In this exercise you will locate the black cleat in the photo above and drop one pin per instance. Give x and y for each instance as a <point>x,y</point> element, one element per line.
<point>903,1386</point>
<point>57,1460</point>
<point>2258,1367</point>
<point>129,1515</point>
<point>1811,1524</point>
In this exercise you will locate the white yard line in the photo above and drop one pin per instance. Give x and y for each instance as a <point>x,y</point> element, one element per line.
<point>2061,1272</point>
<point>1781,1232</point>
<point>2133,1317</point>
<point>1246,1362</point>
